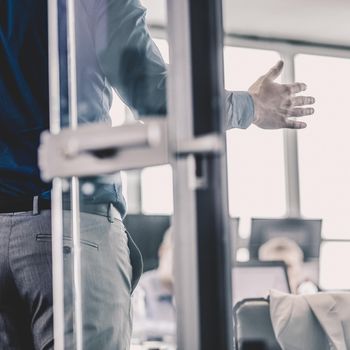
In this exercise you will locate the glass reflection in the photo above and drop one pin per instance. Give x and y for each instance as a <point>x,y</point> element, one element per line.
<point>118,69</point>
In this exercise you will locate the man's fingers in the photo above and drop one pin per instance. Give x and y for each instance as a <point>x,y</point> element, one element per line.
<point>299,112</point>
<point>275,71</point>
<point>302,100</point>
<point>293,124</point>
<point>295,87</point>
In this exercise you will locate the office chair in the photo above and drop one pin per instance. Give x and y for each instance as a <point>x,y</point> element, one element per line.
<point>147,231</point>
<point>252,326</point>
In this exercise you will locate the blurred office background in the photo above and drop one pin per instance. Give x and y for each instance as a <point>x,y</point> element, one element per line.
<point>316,35</point>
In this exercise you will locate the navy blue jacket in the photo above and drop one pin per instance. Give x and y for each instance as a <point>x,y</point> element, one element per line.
<point>23,95</point>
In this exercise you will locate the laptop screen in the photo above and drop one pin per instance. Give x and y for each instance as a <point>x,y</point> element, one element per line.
<point>255,279</point>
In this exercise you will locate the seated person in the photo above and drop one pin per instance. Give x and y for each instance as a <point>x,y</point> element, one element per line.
<point>286,250</point>
<point>318,321</point>
<point>153,301</point>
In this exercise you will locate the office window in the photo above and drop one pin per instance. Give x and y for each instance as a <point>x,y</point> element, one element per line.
<point>118,110</point>
<point>157,190</point>
<point>334,265</point>
<point>156,182</point>
<point>324,161</point>
<point>163,47</point>
<point>254,156</point>
<point>324,146</point>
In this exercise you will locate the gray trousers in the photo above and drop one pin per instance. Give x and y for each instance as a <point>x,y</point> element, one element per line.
<point>111,266</point>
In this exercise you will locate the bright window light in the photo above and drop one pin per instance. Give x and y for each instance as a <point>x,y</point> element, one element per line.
<point>244,66</point>
<point>124,178</point>
<point>157,190</point>
<point>324,146</point>
<point>254,156</point>
<point>163,47</point>
<point>334,265</point>
<point>157,182</point>
<point>242,255</point>
<point>117,111</point>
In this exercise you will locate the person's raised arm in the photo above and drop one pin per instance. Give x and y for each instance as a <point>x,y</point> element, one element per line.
<point>134,67</point>
<point>128,57</point>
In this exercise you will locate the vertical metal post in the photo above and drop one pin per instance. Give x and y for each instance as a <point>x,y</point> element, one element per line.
<point>214,258</point>
<point>291,150</point>
<point>56,212</point>
<point>184,221</point>
<point>57,263</point>
<point>54,67</point>
<point>75,209</point>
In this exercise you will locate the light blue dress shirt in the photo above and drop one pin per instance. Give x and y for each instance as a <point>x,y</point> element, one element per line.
<point>115,51</point>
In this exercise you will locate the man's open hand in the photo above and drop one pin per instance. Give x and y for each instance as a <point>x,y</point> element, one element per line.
<point>275,103</point>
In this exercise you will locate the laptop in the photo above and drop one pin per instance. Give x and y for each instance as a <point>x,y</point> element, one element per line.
<point>254,279</point>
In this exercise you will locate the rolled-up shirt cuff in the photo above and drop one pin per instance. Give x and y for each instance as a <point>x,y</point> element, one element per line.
<point>239,109</point>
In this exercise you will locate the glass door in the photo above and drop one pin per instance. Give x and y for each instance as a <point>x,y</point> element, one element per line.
<point>100,50</point>
<point>98,55</point>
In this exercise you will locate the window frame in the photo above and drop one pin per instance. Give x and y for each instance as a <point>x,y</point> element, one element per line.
<point>288,50</point>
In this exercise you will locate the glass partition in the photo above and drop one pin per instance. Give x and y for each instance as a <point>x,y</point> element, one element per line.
<point>111,73</point>
<point>324,162</point>
<point>323,146</point>
<point>254,156</point>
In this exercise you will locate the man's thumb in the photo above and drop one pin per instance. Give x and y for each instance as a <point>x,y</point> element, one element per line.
<point>275,71</point>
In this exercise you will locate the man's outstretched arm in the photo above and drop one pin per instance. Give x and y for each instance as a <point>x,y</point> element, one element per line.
<point>268,104</point>
<point>134,67</point>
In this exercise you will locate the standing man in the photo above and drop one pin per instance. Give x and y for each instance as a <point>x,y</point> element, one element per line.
<point>114,50</point>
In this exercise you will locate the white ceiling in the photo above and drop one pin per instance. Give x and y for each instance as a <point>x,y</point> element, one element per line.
<point>319,21</point>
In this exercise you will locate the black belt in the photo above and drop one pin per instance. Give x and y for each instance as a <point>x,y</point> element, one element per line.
<point>24,204</point>
<point>103,209</point>
<point>36,204</point>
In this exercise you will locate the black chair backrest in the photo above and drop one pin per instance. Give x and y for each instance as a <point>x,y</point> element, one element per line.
<point>305,232</point>
<point>147,231</point>
<point>253,327</point>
